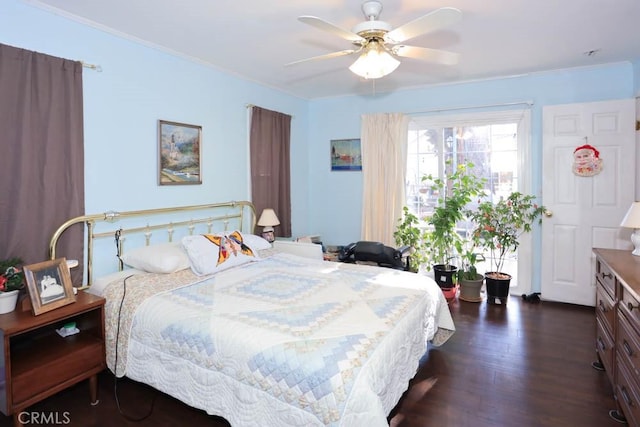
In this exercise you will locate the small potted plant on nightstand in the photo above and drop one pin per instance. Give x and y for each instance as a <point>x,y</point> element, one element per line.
<point>11,282</point>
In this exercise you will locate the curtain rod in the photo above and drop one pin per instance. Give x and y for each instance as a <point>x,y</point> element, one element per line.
<point>91,66</point>
<point>249,106</point>
<point>470,107</point>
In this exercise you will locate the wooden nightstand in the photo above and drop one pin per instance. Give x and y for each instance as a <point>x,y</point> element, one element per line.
<point>36,362</point>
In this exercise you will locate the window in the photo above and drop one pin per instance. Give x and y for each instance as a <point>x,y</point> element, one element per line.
<point>497,143</point>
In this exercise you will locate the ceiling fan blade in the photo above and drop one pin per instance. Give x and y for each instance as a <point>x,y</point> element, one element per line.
<point>323,25</point>
<point>430,22</point>
<point>426,54</point>
<point>326,56</point>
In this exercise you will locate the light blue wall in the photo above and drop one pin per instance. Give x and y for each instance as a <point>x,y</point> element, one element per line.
<point>139,86</point>
<point>337,199</point>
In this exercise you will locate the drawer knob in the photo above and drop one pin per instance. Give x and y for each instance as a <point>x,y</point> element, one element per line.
<point>606,275</point>
<point>627,348</point>
<point>630,306</point>
<point>603,308</point>
<point>601,345</point>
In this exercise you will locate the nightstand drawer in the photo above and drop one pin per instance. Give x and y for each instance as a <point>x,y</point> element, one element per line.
<point>66,364</point>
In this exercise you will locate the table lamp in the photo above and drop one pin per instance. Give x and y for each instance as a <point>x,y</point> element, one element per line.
<point>268,220</point>
<point>632,220</point>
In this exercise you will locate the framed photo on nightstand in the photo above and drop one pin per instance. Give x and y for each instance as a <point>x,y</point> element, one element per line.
<point>49,285</point>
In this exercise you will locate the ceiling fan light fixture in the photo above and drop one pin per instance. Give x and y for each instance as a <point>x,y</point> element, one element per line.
<point>375,62</point>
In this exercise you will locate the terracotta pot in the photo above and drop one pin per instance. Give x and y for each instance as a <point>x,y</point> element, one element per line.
<point>450,293</point>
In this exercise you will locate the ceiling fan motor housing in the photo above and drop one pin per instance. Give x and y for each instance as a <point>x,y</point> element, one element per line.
<point>371,9</point>
<point>372,27</point>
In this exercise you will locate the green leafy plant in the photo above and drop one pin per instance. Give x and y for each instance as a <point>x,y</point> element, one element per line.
<point>456,190</point>
<point>11,275</point>
<point>469,258</point>
<point>498,226</point>
<point>409,232</point>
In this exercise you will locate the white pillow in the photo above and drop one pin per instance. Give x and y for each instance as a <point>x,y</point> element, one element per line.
<point>99,285</point>
<point>211,253</point>
<point>256,243</point>
<point>160,258</point>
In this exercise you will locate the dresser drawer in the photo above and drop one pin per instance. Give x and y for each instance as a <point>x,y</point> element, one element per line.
<point>605,277</point>
<point>628,345</point>
<point>605,348</point>
<point>630,305</point>
<point>626,393</point>
<point>605,309</point>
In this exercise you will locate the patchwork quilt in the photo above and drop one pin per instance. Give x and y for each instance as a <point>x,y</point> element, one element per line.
<point>277,342</point>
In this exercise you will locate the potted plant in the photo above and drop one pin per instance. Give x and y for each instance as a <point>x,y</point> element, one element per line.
<point>468,277</point>
<point>11,282</point>
<point>410,233</point>
<point>498,227</point>
<point>456,190</point>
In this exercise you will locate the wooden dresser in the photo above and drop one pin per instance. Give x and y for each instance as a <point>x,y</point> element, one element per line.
<point>618,327</point>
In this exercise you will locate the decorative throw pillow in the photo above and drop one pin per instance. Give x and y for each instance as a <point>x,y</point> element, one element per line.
<point>211,253</point>
<point>160,258</point>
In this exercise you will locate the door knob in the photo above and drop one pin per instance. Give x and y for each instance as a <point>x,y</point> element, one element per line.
<point>548,213</point>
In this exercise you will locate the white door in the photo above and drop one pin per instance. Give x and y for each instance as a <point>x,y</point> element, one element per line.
<point>584,211</point>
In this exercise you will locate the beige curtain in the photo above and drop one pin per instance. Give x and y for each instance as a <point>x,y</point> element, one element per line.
<point>42,160</point>
<point>384,166</point>
<point>270,137</point>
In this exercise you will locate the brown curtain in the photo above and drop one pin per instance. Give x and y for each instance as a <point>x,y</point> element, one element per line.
<point>41,141</point>
<point>270,170</point>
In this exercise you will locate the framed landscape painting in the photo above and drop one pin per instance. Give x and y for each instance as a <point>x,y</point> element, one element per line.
<point>346,155</point>
<point>179,153</point>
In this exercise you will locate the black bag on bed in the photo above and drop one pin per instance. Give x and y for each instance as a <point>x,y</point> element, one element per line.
<point>376,252</point>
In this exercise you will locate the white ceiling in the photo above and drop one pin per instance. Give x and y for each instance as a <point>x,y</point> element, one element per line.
<point>255,38</point>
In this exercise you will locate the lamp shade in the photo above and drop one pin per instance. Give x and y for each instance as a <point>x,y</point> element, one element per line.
<point>375,62</point>
<point>268,218</point>
<point>632,218</point>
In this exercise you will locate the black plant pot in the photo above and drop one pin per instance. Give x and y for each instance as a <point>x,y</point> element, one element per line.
<point>444,275</point>
<point>497,288</point>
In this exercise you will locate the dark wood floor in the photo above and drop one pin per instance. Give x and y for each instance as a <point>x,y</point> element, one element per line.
<point>522,365</point>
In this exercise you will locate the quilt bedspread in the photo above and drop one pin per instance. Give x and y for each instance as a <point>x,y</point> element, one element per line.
<point>317,341</point>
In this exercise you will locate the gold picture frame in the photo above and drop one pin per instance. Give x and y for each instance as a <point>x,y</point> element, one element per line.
<point>49,285</point>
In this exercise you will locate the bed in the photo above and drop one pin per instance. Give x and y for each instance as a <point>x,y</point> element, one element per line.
<point>270,338</point>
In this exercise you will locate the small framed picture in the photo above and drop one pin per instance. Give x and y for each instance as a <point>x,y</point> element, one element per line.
<point>49,285</point>
<point>346,155</point>
<point>179,153</point>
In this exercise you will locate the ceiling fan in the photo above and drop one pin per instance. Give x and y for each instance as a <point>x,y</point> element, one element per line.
<point>380,44</point>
